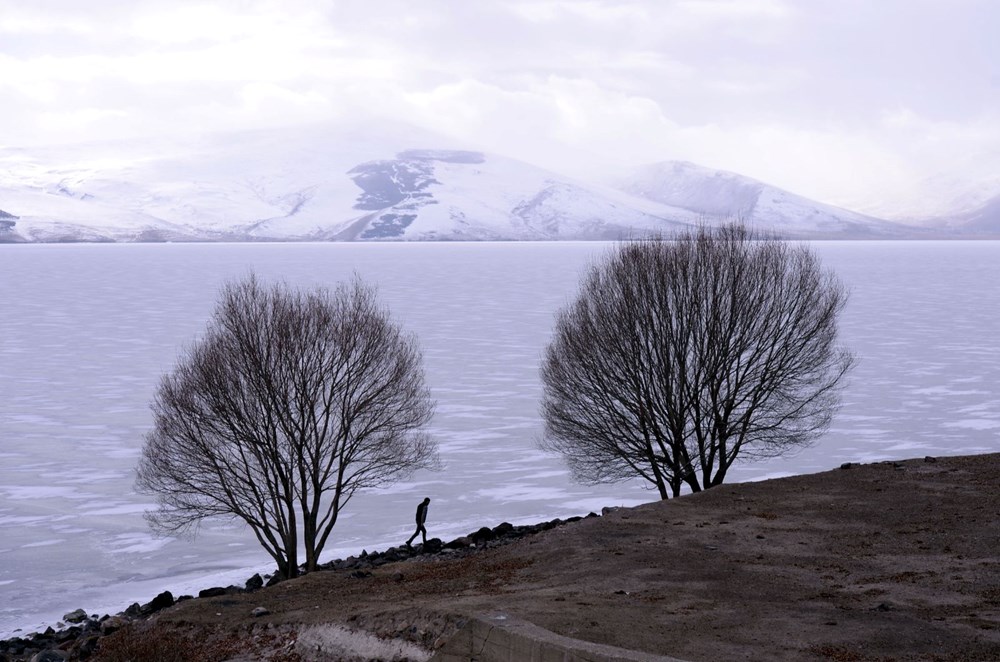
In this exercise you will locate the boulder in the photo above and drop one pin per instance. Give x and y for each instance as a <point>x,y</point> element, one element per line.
<point>77,616</point>
<point>482,536</point>
<point>113,624</point>
<point>162,601</point>
<point>213,592</point>
<point>85,647</point>
<point>50,656</point>
<point>255,582</point>
<point>459,543</point>
<point>503,529</point>
<point>260,611</point>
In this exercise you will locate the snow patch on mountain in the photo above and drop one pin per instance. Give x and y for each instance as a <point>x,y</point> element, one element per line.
<point>375,182</point>
<point>719,195</point>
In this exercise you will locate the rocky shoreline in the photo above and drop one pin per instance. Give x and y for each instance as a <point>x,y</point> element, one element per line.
<point>78,636</point>
<point>888,561</point>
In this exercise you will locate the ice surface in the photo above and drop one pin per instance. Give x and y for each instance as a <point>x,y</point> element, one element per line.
<point>87,330</point>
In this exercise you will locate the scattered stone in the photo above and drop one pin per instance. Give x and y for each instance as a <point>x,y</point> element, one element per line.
<point>77,616</point>
<point>482,536</point>
<point>459,543</point>
<point>254,583</point>
<point>162,601</point>
<point>502,529</point>
<point>112,625</point>
<point>213,592</point>
<point>50,656</point>
<point>84,648</point>
<point>81,641</point>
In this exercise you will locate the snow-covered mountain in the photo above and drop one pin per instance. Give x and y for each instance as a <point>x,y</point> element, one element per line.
<point>982,220</point>
<point>370,182</point>
<point>717,194</point>
<point>306,185</point>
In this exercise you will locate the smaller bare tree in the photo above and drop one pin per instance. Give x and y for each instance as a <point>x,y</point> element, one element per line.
<point>680,356</point>
<point>289,404</point>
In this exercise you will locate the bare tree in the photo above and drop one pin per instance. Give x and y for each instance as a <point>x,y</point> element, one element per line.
<point>288,405</point>
<point>680,356</point>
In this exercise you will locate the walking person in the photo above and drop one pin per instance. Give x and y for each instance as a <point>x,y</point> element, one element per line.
<point>421,518</point>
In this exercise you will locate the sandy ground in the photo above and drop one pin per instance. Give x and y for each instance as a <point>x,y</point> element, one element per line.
<point>886,561</point>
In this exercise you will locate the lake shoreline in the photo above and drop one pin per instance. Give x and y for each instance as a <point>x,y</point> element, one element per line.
<point>885,560</point>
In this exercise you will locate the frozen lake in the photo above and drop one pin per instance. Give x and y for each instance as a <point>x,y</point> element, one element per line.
<point>87,330</point>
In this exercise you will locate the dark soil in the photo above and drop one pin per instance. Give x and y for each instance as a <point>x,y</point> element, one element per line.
<point>876,562</point>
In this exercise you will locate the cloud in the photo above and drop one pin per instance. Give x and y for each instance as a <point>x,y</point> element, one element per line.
<point>848,101</point>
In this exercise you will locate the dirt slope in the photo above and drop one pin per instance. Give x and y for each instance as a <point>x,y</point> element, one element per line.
<point>887,561</point>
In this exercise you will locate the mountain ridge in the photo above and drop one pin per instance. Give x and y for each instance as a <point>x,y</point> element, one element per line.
<point>372,183</point>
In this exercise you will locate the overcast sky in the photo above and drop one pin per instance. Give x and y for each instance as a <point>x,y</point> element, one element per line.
<point>854,102</point>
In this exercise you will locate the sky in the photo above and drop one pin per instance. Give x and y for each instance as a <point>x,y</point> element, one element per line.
<point>883,106</point>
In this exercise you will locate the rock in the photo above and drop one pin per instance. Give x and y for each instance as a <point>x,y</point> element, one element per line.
<point>482,536</point>
<point>607,510</point>
<point>459,543</point>
<point>502,529</point>
<point>260,611</point>
<point>276,578</point>
<point>49,656</point>
<point>162,601</point>
<point>133,610</point>
<point>85,648</point>
<point>432,546</point>
<point>361,574</point>
<point>930,458</point>
<point>255,582</point>
<point>847,465</point>
<point>551,524</point>
<point>77,616</point>
<point>113,624</point>
<point>213,592</point>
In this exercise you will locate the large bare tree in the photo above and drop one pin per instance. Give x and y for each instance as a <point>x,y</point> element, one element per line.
<point>680,356</point>
<point>290,403</point>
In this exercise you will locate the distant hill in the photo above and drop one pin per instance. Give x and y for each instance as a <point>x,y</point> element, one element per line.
<point>718,194</point>
<point>372,182</point>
